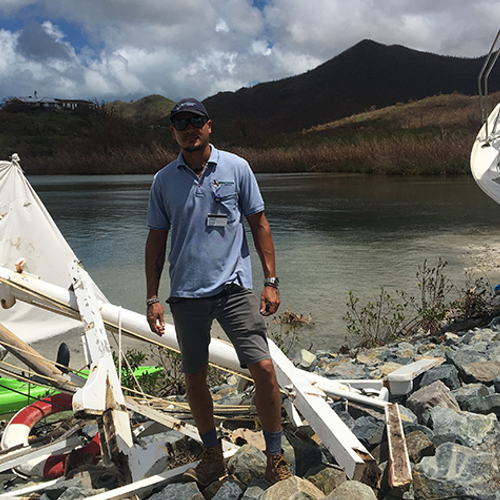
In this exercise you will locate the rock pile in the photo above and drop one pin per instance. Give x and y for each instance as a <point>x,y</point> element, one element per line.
<point>450,420</point>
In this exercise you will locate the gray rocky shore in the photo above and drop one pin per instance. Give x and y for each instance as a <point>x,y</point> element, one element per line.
<point>450,421</point>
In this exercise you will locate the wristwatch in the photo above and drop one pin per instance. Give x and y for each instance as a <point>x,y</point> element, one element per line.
<point>274,282</point>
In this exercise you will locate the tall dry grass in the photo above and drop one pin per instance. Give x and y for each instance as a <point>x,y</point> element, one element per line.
<point>438,111</point>
<point>130,160</point>
<point>446,154</point>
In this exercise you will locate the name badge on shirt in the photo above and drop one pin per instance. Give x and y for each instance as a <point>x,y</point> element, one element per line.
<point>217,220</point>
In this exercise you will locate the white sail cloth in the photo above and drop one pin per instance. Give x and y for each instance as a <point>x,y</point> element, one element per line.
<point>28,232</point>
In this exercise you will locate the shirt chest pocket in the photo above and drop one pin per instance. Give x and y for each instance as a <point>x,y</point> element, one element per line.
<point>228,204</point>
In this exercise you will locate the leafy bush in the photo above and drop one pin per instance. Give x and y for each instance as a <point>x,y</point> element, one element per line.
<point>439,305</point>
<point>148,382</point>
<point>378,322</point>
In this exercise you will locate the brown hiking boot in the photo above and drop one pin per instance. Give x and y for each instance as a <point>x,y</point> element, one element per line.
<point>277,468</point>
<point>210,467</point>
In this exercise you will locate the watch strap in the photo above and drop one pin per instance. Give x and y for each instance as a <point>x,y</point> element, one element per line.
<point>274,282</point>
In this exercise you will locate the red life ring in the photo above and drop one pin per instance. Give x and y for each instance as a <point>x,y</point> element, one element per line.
<point>19,428</point>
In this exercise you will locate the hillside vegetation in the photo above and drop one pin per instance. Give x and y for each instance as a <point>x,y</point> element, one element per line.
<point>366,110</point>
<point>113,138</point>
<point>432,136</point>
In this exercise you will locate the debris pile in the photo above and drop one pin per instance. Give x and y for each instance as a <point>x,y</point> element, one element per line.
<point>449,418</point>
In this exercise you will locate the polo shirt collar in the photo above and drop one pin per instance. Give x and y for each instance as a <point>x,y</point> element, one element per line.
<point>214,157</point>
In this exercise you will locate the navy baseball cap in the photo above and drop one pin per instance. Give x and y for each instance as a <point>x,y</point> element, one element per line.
<point>189,105</point>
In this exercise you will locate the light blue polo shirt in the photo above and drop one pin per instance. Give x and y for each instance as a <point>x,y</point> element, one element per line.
<point>204,259</point>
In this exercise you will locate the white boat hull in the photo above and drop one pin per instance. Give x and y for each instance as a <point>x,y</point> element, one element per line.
<point>485,157</point>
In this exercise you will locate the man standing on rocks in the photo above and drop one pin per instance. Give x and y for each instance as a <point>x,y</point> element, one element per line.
<point>201,199</point>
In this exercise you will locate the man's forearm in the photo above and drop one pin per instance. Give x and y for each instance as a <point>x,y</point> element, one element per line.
<point>156,246</point>
<point>263,241</point>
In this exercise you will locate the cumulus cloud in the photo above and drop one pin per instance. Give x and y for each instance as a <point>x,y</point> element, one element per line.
<point>200,47</point>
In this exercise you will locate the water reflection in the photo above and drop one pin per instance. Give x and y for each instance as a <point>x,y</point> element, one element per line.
<point>333,233</point>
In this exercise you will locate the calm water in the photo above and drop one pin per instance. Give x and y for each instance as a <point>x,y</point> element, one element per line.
<point>333,233</point>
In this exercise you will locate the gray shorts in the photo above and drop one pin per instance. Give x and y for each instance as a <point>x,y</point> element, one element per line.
<point>237,311</point>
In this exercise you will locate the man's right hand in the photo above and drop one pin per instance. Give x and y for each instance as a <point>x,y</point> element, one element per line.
<point>155,318</point>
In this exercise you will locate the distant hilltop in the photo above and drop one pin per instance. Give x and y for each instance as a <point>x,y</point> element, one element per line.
<point>367,76</point>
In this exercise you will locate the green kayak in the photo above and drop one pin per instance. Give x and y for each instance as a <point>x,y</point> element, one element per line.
<point>15,394</point>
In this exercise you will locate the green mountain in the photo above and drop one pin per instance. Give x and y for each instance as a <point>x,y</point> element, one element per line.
<point>150,109</point>
<point>367,76</point>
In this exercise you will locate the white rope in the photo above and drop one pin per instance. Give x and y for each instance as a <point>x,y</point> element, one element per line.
<point>120,343</point>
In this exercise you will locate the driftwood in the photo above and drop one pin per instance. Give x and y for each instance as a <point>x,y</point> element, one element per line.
<point>399,463</point>
<point>36,362</point>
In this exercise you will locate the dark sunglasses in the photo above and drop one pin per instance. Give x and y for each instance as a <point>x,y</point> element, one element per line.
<point>195,121</point>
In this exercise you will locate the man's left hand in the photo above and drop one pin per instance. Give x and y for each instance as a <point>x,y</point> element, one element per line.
<point>269,301</point>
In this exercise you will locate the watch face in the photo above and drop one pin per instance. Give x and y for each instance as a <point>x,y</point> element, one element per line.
<point>272,281</point>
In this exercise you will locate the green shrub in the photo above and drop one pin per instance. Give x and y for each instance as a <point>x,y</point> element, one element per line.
<point>439,306</point>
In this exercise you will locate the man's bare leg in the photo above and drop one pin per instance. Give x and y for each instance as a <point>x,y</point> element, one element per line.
<point>212,465</point>
<point>268,402</point>
<point>200,400</point>
<point>267,395</point>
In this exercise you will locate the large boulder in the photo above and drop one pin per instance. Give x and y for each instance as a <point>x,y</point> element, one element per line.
<point>352,490</point>
<point>419,446</point>
<point>293,488</point>
<point>247,463</point>
<point>469,391</point>
<point>469,429</point>
<point>430,396</point>
<point>369,431</point>
<point>447,373</point>
<point>179,491</point>
<point>483,404</point>
<point>228,491</point>
<point>326,478</point>
<point>457,471</point>
<point>462,357</point>
<point>255,489</point>
<point>481,372</point>
<point>305,360</point>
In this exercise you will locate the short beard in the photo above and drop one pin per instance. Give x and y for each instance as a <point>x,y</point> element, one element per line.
<point>192,150</point>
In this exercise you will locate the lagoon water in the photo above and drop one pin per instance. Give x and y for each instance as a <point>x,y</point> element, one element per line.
<point>333,233</point>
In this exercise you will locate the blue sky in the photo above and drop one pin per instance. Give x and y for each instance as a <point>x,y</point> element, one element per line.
<point>116,49</point>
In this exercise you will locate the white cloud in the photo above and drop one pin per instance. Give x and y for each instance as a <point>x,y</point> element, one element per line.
<point>221,26</point>
<point>261,47</point>
<point>200,47</point>
<point>8,43</point>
